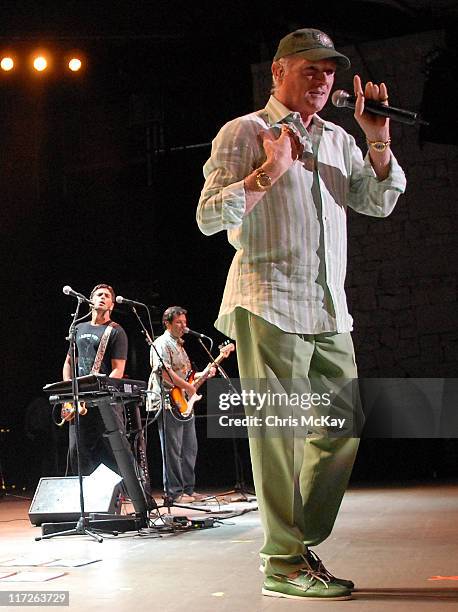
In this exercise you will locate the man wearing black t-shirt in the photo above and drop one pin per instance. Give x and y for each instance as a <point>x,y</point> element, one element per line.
<point>94,448</point>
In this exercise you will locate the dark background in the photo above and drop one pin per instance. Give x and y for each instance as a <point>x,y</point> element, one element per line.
<point>100,174</point>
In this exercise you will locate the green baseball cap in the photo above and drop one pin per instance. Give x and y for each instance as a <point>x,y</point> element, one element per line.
<point>312,44</point>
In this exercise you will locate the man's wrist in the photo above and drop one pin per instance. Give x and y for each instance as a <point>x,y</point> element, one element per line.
<point>378,145</point>
<point>258,180</point>
<point>263,178</point>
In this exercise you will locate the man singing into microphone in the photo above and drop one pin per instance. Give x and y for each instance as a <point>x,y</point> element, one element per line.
<point>178,437</point>
<point>101,349</point>
<point>279,181</point>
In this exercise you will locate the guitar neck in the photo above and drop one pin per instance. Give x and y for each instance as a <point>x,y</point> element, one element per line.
<point>204,376</point>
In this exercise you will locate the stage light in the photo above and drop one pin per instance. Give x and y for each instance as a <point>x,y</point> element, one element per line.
<point>6,64</point>
<point>74,64</point>
<point>40,63</point>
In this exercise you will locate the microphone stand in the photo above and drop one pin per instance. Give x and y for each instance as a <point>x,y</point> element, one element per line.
<point>144,467</point>
<point>145,332</point>
<point>239,486</point>
<point>81,527</point>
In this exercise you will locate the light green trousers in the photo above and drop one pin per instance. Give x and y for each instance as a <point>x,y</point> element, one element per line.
<point>299,479</point>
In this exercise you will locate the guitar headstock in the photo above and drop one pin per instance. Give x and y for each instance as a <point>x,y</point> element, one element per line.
<point>226,348</point>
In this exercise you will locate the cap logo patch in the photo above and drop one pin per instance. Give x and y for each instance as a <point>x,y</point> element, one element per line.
<point>323,39</point>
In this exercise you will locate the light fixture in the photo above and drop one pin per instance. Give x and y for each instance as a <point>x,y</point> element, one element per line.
<point>7,63</point>
<point>75,64</point>
<point>40,63</point>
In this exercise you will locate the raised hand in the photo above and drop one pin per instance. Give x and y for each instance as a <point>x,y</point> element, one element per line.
<point>375,127</point>
<point>281,152</point>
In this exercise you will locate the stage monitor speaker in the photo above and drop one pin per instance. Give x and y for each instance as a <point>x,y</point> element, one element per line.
<point>57,499</point>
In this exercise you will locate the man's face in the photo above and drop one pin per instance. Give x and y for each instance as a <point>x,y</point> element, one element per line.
<point>102,300</point>
<point>304,86</point>
<point>177,326</point>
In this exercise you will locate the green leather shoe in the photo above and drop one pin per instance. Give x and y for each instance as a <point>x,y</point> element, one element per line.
<point>304,585</point>
<point>316,564</point>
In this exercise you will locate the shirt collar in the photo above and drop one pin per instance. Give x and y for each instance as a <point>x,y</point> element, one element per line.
<point>279,113</point>
<point>178,341</point>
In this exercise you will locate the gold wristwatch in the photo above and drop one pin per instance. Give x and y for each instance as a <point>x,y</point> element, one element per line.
<point>378,145</point>
<point>263,180</point>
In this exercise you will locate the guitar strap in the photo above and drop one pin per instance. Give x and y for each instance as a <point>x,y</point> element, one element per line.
<point>102,347</point>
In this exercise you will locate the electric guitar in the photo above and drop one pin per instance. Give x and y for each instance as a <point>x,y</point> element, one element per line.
<point>67,412</point>
<point>182,406</point>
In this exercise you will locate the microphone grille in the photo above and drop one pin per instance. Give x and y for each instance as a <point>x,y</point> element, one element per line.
<point>339,97</point>
<point>186,330</point>
<point>66,290</point>
<point>119,299</point>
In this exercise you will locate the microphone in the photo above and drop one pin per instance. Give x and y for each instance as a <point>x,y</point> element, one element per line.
<point>69,291</point>
<point>342,99</point>
<point>123,300</point>
<point>194,333</point>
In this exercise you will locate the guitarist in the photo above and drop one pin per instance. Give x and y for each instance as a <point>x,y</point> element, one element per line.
<point>178,437</point>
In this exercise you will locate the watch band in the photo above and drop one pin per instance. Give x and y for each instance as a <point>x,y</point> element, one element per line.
<point>263,180</point>
<point>378,145</point>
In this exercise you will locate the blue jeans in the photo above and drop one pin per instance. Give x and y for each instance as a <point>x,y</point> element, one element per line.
<point>179,461</point>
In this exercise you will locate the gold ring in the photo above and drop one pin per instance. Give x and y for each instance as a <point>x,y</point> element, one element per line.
<point>383,100</point>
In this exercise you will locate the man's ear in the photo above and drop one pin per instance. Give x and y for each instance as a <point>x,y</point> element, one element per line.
<point>278,70</point>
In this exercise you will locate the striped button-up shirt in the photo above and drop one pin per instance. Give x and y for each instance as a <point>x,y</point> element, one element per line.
<point>291,249</point>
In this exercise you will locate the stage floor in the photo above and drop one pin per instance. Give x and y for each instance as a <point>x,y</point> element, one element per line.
<point>398,543</point>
